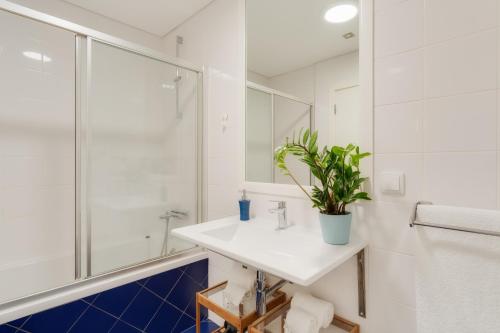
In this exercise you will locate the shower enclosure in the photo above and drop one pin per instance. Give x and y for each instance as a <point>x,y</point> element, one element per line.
<point>100,145</point>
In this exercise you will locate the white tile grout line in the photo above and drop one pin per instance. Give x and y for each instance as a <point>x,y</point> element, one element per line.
<point>194,280</point>
<point>142,286</point>
<point>20,328</point>
<point>426,45</point>
<point>79,317</point>
<point>115,317</point>
<point>184,313</point>
<point>163,300</point>
<point>432,98</point>
<point>119,318</point>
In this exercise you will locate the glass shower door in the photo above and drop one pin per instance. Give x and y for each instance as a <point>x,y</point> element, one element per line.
<point>37,157</point>
<point>142,172</point>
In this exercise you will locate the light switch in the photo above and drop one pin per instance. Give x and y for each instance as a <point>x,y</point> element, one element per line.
<point>392,182</point>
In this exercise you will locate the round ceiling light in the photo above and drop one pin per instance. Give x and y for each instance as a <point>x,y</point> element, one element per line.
<point>341,13</point>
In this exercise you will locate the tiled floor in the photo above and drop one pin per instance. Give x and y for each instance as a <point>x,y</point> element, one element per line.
<point>207,326</point>
<point>162,303</point>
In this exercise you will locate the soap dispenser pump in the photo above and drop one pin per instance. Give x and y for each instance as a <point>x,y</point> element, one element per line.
<point>244,207</point>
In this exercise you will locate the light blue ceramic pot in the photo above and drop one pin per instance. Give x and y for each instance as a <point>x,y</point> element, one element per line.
<point>336,229</point>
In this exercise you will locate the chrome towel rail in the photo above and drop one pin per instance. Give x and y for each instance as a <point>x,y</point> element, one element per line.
<point>413,222</point>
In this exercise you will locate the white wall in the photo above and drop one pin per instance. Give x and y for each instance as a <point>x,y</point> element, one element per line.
<point>92,20</point>
<point>258,78</point>
<point>315,83</point>
<point>213,38</point>
<point>435,119</point>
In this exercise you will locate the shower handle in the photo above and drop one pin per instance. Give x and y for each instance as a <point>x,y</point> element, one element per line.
<point>178,214</point>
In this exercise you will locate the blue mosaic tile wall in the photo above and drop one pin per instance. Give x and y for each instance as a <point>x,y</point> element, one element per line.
<point>161,303</point>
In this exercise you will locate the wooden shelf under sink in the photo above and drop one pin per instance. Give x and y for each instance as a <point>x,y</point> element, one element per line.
<point>240,320</point>
<point>276,319</point>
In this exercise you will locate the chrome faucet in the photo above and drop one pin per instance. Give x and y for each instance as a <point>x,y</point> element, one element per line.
<point>281,212</point>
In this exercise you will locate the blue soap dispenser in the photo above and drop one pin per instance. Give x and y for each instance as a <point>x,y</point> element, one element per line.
<point>244,207</point>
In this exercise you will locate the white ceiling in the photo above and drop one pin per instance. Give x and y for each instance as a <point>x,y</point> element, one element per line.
<point>285,35</point>
<point>154,16</point>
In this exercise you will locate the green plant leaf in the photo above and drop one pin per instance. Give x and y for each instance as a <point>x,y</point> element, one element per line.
<point>336,169</point>
<point>306,136</point>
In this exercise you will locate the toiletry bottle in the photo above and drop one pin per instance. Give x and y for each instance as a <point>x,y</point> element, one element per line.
<point>244,207</point>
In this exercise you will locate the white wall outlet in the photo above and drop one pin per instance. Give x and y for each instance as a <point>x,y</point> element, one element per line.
<point>392,182</point>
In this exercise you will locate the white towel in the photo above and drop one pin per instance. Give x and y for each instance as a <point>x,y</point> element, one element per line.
<point>232,296</point>
<point>322,310</point>
<point>457,273</point>
<point>299,321</point>
<point>240,288</point>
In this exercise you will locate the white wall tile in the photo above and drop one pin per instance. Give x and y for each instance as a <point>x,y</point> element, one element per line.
<point>399,78</point>
<point>393,276</point>
<point>222,201</point>
<point>466,122</point>
<point>446,19</point>
<point>399,28</point>
<point>409,164</point>
<point>461,123</point>
<point>223,170</point>
<point>402,121</point>
<point>388,226</point>
<point>385,4</point>
<point>337,287</point>
<point>462,65</point>
<point>461,179</point>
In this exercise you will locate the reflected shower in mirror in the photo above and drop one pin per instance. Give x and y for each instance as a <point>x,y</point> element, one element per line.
<point>301,73</point>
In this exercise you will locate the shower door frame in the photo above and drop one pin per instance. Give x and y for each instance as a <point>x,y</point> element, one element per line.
<point>83,39</point>
<point>85,216</point>
<point>273,93</point>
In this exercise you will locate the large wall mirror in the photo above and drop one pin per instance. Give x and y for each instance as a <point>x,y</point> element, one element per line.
<point>302,72</point>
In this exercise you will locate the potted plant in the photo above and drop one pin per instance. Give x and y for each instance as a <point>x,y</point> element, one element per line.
<point>337,170</point>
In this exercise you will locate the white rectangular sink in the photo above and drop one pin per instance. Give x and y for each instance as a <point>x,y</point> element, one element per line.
<point>293,254</point>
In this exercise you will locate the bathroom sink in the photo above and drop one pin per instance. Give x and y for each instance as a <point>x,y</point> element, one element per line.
<point>225,233</point>
<point>295,254</point>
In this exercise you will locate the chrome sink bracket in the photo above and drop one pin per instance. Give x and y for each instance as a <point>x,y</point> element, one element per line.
<point>262,291</point>
<point>361,284</point>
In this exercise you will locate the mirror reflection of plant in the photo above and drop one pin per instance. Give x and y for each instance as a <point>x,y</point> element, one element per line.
<point>337,169</point>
